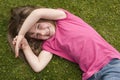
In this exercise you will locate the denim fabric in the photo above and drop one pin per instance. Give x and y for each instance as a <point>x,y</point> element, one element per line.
<point>110,72</point>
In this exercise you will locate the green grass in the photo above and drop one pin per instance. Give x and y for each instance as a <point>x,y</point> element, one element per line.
<point>103,15</point>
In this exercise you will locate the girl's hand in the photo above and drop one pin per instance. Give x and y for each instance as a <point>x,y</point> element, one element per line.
<point>23,44</point>
<point>17,44</point>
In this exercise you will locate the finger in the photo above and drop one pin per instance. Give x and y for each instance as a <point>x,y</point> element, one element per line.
<point>13,42</point>
<point>15,39</point>
<point>17,49</point>
<point>17,46</point>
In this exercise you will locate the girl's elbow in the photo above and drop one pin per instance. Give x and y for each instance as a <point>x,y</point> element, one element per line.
<point>37,70</point>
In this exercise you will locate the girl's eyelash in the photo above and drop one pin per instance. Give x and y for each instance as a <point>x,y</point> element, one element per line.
<point>38,26</point>
<point>36,35</point>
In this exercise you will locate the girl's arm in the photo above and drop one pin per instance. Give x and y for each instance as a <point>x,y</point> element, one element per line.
<point>45,13</point>
<point>40,62</point>
<point>37,63</point>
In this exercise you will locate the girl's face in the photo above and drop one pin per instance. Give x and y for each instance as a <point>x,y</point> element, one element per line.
<point>42,30</point>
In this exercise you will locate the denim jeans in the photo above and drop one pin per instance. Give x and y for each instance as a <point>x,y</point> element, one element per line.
<point>110,72</point>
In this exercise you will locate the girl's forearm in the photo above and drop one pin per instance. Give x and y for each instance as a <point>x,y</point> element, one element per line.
<point>32,60</point>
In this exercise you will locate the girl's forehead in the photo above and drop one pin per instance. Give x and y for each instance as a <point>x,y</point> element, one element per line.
<point>32,30</point>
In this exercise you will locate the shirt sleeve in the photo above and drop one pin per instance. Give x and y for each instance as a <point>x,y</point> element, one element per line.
<point>69,15</point>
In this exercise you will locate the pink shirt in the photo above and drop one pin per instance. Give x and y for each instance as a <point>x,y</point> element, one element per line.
<point>78,42</point>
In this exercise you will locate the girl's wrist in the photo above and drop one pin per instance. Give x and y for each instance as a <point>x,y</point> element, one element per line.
<point>20,35</point>
<point>26,48</point>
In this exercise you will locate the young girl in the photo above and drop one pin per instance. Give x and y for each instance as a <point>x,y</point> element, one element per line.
<point>63,34</point>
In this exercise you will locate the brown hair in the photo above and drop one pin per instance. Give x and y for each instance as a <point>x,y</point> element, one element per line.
<point>18,15</point>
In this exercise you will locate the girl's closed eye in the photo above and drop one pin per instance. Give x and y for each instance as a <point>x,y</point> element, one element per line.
<point>37,35</point>
<point>37,26</point>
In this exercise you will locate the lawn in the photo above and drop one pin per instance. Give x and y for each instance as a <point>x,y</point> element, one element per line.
<point>103,15</point>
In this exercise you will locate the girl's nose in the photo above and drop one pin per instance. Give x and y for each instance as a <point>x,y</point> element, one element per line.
<point>42,32</point>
